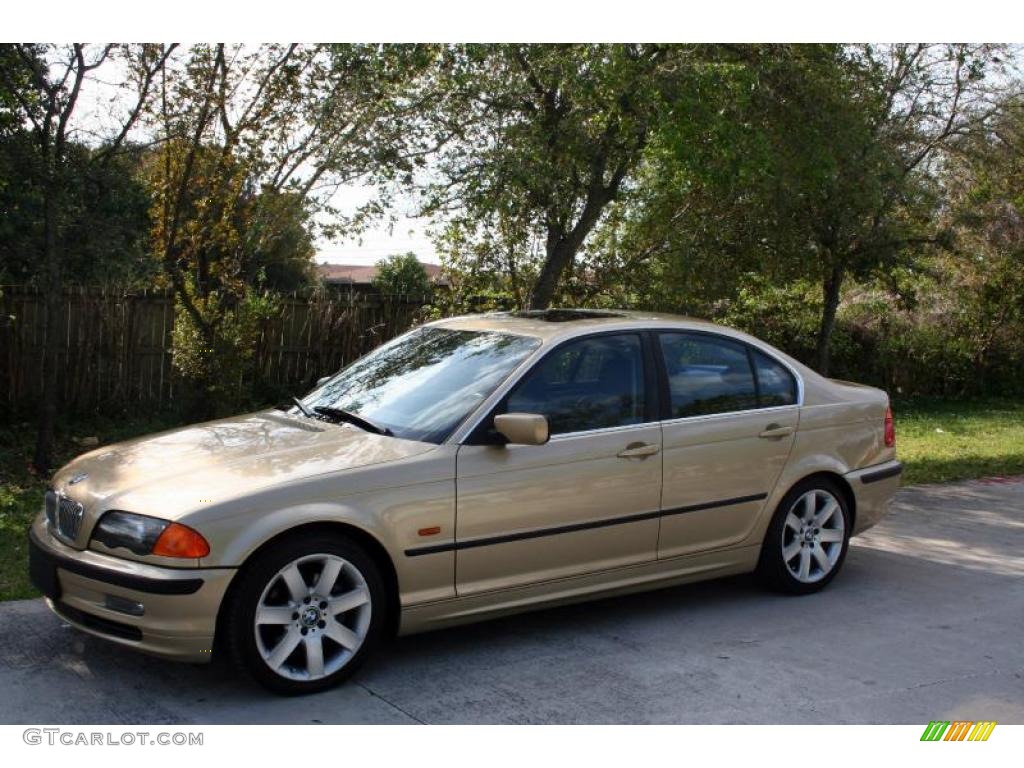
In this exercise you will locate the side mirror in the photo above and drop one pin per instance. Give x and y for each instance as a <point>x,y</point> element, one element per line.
<point>322,380</point>
<point>523,428</point>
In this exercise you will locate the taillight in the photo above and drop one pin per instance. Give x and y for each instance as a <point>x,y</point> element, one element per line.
<point>890,429</point>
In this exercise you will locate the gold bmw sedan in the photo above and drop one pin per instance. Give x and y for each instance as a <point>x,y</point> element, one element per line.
<point>468,469</point>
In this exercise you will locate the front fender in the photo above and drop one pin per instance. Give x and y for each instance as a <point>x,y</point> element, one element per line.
<point>394,517</point>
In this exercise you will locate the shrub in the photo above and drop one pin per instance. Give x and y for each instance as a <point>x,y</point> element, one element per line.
<point>215,356</point>
<point>909,349</point>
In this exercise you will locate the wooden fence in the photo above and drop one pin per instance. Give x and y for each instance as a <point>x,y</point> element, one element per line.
<point>115,346</point>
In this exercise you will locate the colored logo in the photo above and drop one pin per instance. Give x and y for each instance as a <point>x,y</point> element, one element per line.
<point>958,730</point>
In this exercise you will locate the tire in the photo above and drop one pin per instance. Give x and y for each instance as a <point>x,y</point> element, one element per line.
<point>309,637</point>
<point>796,551</point>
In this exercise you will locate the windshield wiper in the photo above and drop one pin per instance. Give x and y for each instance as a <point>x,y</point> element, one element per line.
<point>302,407</point>
<point>340,414</point>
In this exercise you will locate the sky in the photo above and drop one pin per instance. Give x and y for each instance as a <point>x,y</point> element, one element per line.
<point>407,233</point>
<point>377,243</point>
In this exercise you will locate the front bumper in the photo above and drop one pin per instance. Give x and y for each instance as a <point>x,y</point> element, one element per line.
<point>168,612</point>
<point>873,488</point>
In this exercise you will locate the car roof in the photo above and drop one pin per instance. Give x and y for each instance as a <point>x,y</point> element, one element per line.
<point>557,324</point>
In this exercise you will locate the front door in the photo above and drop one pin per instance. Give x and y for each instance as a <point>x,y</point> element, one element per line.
<point>586,501</point>
<point>733,415</point>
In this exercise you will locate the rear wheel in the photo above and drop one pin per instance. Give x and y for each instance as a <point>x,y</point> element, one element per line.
<point>306,613</point>
<point>807,540</point>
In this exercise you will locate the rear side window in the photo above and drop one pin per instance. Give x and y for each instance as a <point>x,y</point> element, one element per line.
<point>592,383</point>
<point>776,384</point>
<point>710,374</point>
<point>707,374</point>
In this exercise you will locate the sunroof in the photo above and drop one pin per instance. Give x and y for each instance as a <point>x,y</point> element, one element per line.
<point>564,315</point>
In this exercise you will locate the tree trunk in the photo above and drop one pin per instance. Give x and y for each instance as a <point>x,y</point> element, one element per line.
<point>831,288</point>
<point>53,287</point>
<point>560,254</point>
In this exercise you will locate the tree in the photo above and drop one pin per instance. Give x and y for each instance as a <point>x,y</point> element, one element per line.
<point>923,97</point>
<point>537,141</point>
<point>809,161</point>
<point>255,140</point>
<point>401,274</point>
<point>984,181</point>
<point>15,87</point>
<point>45,84</point>
<point>105,216</point>
<point>262,236</point>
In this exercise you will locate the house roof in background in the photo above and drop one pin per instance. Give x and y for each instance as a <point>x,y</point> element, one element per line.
<point>360,274</point>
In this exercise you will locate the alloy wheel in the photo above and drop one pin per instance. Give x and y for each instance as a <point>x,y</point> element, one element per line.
<point>312,617</point>
<point>812,536</point>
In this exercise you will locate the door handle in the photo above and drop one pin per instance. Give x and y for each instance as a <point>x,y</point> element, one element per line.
<point>776,431</point>
<point>639,451</point>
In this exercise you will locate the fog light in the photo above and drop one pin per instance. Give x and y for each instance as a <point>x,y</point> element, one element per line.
<point>124,605</point>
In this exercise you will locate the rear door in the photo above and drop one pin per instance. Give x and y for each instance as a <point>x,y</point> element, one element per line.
<point>586,501</point>
<point>728,433</point>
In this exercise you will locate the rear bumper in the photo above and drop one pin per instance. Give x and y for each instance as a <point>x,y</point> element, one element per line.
<point>168,612</point>
<point>873,488</point>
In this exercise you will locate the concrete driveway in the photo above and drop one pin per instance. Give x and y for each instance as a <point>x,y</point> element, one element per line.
<point>925,623</point>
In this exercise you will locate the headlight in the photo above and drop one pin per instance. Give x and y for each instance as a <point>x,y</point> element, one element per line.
<point>136,533</point>
<point>145,535</point>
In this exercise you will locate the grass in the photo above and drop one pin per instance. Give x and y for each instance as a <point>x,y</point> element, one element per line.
<point>937,440</point>
<point>943,440</point>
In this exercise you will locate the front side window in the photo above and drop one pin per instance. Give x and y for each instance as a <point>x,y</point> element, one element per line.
<point>707,374</point>
<point>591,383</point>
<point>422,385</point>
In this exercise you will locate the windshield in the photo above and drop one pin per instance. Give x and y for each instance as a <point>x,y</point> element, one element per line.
<point>424,383</point>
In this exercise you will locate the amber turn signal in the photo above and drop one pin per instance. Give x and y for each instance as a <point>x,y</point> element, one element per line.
<point>179,540</point>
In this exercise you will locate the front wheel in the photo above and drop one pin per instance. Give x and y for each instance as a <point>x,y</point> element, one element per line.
<point>807,539</point>
<point>306,613</point>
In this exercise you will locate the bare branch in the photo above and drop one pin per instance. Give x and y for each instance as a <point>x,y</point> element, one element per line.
<point>148,76</point>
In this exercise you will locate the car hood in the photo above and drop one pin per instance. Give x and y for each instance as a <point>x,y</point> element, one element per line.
<point>172,473</point>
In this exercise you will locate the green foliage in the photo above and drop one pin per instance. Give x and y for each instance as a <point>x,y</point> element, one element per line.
<point>105,213</point>
<point>921,344</point>
<point>783,315</point>
<point>984,181</point>
<point>538,141</point>
<point>97,227</point>
<point>276,231</point>
<point>16,91</point>
<point>813,162</point>
<point>20,502</point>
<point>257,139</point>
<point>401,274</point>
<point>858,201</point>
<point>219,366</point>
<point>42,85</point>
<point>904,352</point>
<point>485,299</point>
